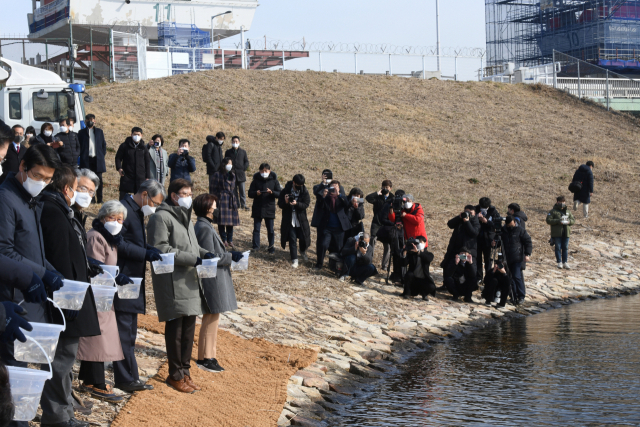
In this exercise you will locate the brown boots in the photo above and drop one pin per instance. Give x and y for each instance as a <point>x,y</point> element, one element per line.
<point>185,385</point>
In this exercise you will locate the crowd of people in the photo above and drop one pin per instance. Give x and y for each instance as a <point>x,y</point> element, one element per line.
<point>49,182</point>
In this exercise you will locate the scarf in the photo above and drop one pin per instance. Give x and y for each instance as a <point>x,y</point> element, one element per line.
<point>110,238</point>
<point>46,139</point>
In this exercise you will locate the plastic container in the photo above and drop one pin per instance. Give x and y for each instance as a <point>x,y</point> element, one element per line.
<point>45,334</point>
<point>26,388</point>
<point>208,269</point>
<point>108,278</point>
<point>243,264</point>
<point>71,295</point>
<point>130,291</point>
<point>103,296</point>
<point>166,265</point>
<point>113,270</point>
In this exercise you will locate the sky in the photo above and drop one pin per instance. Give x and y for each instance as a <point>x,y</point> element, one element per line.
<point>401,22</point>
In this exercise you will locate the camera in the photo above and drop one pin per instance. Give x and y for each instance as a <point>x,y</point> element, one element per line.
<point>412,241</point>
<point>362,244</point>
<point>291,198</point>
<point>398,204</point>
<point>500,265</point>
<point>463,257</point>
<point>185,152</point>
<point>464,215</point>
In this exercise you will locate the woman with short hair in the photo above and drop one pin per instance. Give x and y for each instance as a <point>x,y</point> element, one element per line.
<point>222,185</point>
<point>102,245</point>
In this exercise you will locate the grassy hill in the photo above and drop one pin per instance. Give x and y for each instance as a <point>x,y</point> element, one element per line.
<point>447,143</point>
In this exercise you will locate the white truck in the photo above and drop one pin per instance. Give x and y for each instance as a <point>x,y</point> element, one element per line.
<point>32,96</point>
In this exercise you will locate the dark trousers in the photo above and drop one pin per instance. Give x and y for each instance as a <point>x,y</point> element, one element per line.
<point>492,285</point>
<point>56,400</point>
<point>178,337</point>
<point>240,193</point>
<point>518,279</point>
<point>93,166</point>
<point>295,233</point>
<point>92,373</point>
<point>386,254</point>
<point>561,248</point>
<point>457,289</point>
<point>418,286</point>
<point>126,371</point>
<point>358,272</point>
<point>484,255</point>
<point>226,233</point>
<point>329,235</point>
<point>257,223</point>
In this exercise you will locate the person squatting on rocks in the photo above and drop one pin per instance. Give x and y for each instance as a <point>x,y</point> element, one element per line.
<point>417,260</point>
<point>561,220</point>
<point>357,256</point>
<point>584,176</point>
<point>466,228</point>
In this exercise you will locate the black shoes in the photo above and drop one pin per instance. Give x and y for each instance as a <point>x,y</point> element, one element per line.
<point>71,423</point>
<point>134,386</point>
<point>468,299</point>
<point>210,365</point>
<point>442,288</point>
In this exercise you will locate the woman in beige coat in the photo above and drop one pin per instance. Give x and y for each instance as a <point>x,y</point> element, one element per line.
<point>102,245</point>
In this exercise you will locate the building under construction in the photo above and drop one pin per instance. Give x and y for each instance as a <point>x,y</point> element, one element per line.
<point>526,32</point>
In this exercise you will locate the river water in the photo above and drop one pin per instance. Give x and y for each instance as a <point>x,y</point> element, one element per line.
<point>577,365</point>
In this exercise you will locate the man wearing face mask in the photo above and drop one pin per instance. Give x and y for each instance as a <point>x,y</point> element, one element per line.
<point>64,241</point>
<point>15,153</point>
<point>181,163</point>
<point>70,149</point>
<point>294,201</point>
<point>159,159</point>
<point>561,221</point>
<point>133,163</point>
<point>410,222</point>
<point>87,184</point>
<point>240,166</point>
<point>378,199</point>
<point>264,190</point>
<point>93,149</point>
<point>212,155</point>
<point>316,219</point>
<point>133,254</point>
<point>485,213</point>
<point>460,279</point>
<point>334,222</point>
<point>466,228</point>
<point>517,249</point>
<point>417,259</point>
<point>357,255</point>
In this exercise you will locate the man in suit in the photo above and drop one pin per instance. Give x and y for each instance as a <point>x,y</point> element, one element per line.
<point>93,149</point>
<point>240,166</point>
<point>15,153</point>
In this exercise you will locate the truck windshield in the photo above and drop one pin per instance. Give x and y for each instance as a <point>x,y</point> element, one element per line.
<point>52,109</point>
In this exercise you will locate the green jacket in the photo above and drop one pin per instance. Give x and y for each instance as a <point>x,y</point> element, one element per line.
<point>177,294</point>
<point>553,219</point>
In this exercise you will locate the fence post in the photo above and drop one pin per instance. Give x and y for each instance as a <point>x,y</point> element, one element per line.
<point>283,66</point>
<point>194,59</point>
<point>455,75</point>
<point>91,53</point>
<point>607,94</point>
<point>169,62</point>
<point>223,58</point>
<point>320,60</point>
<point>555,74</point>
<point>71,58</point>
<point>112,62</point>
<point>579,91</point>
<point>355,60</point>
<point>390,69</point>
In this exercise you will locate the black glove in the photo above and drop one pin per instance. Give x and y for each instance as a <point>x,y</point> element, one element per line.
<point>151,248</point>
<point>12,331</point>
<point>198,262</point>
<point>236,256</point>
<point>35,292</point>
<point>94,270</point>
<point>152,256</point>
<point>70,315</point>
<point>52,280</point>
<point>209,255</point>
<point>122,280</point>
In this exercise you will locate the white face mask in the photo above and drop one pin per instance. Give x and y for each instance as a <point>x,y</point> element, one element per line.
<point>136,138</point>
<point>148,210</point>
<point>28,136</point>
<point>47,133</point>
<point>408,205</point>
<point>63,129</point>
<point>72,201</point>
<point>421,247</point>
<point>185,202</point>
<point>228,168</point>
<point>83,199</point>
<point>113,227</point>
<point>70,128</point>
<point>265,174</point>
<point>220,141</point>
<point>235,145</point>
<point>33,187</point>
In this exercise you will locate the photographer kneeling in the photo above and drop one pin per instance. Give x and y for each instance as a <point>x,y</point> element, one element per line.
<point>418,281</point>
<point>496,285</point>
<point>357,255</point>
<point>460,276</point>
<point>516,249</point>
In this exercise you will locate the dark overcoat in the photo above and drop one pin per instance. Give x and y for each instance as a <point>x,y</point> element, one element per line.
<point>303,202</point>
<point>135,161</point>
<point>264,205</point>
<point>101,149</point>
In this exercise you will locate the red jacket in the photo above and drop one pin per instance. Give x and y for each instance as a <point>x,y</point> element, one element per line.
<point>413,222</point>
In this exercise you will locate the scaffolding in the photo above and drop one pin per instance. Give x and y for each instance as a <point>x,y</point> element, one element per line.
<point>526,32</point>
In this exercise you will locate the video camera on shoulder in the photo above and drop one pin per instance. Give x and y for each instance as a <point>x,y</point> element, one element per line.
<point>498,223</point>
<point>411,241</point>
<point>398,204</point>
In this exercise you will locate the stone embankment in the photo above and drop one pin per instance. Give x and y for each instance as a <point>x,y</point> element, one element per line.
<point>366,332</point>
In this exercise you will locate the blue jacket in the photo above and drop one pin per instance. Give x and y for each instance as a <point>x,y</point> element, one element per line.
<point>101,149</point>
<point>181,167</point>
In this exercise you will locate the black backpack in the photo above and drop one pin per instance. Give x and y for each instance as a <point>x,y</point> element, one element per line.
<point>575,187</point>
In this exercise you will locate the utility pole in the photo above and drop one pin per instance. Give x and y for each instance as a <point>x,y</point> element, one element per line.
<point>438,32</point>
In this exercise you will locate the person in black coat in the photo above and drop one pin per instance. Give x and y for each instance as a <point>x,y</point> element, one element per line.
<point>240,166</point>
<point>181,163</point>
<point>316,219</point>
<point>584,174</point>
<point>264,190</point>
<point>391,232</point>
<point>133,163</point>
<point>518,214</point>
<point>486,213</point>
<point>15,153</point>
<point>355,212</point>
<point>70,149</point>
<point>212,155</point>
<point>466,228</point>
<point>496,285</point>
<point>334,222</point>
<point>294,201</point>
<point>378,200</point>
<point>460,276</point>
<point>417,280</point>
<point>93,149</point>
<point>517,249</point>
<point>63,247</point>
<point>133,253</point>
<point>357,255</point>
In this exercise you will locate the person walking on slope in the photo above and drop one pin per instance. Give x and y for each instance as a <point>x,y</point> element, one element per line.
<point>561,221</point>
<point>584,175</point>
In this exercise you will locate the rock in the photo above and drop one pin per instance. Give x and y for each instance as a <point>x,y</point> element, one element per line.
<point>295,391</point>
<point>396,335</point>
<point>372,355</point>
<point>363,371</point>
<point>306,405</point>
<point>318,383</point>
<point>285,416</point>
<point>347,391</point>
<point>306,374</point>
<point>296,380</point>
<point>305,422</point>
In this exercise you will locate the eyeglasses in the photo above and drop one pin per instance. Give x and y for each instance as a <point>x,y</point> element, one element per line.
<point>39,177</point>
<point>84,189</point>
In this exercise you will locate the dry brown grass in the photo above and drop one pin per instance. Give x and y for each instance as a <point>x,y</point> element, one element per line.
<point>448,143</point>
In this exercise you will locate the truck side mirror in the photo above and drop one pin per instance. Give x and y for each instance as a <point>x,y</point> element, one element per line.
<point>88,98</point>
<point>42,94</point>
<point>71,100</point>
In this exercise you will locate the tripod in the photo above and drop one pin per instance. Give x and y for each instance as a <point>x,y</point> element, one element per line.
<point>498,255</point>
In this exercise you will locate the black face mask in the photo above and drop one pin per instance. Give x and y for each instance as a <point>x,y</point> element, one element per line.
<point>17,139</point>
<point>297,188</point>
<point>90,124</point>
<point>385,191</point>
<point>216,213</point>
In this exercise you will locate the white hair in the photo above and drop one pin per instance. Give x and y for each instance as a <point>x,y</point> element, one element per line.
<point>112,207</point>
<point>88,173</point>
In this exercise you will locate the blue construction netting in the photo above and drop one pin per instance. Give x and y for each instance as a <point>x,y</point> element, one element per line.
<point>183,35</point>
